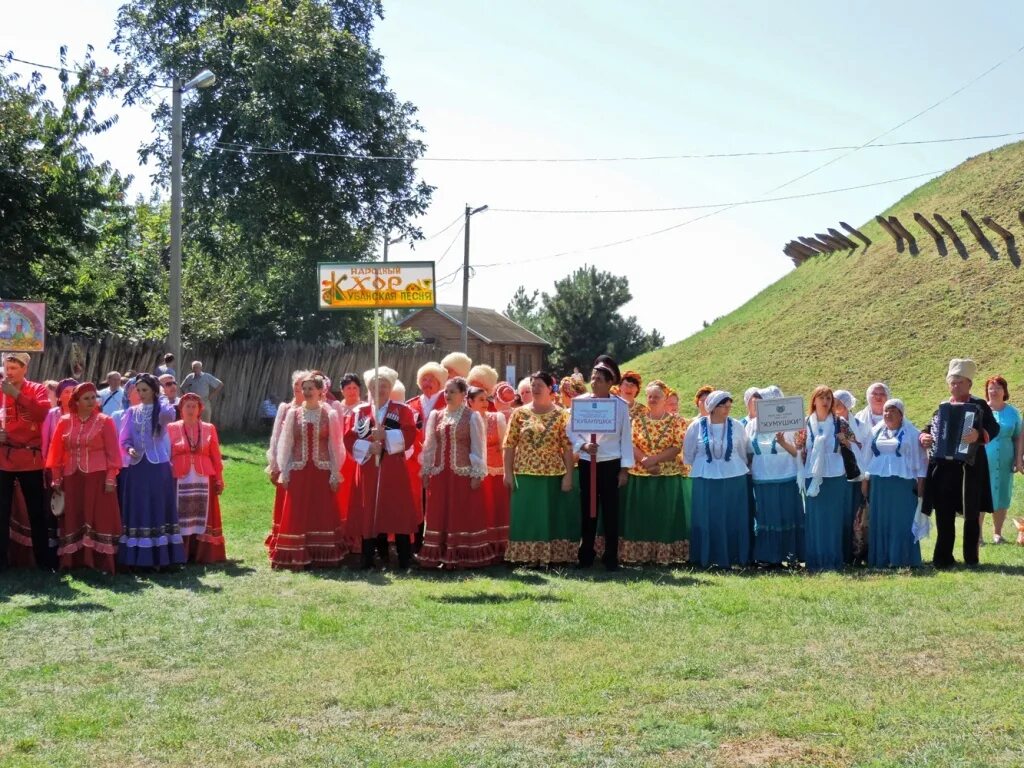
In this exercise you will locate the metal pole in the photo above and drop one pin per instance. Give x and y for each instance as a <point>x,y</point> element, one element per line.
<point>174,331</point>
<point>464,334</point>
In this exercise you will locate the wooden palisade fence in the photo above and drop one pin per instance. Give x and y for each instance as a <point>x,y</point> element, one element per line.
<point>250,370</point>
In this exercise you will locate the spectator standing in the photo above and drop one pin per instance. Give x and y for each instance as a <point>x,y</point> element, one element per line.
<point>204,384</point>
<point>167,367</point>
<point>110,396</point>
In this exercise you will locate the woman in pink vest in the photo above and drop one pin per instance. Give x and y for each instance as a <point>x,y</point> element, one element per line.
<point>454,465</point>
<point>199,480</point>
<point>273,470</point>
<point>310,455</point>
<point>84,460</point>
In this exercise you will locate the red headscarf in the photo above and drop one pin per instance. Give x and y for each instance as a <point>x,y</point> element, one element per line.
<point>191,397</point>
<point>78,391</point>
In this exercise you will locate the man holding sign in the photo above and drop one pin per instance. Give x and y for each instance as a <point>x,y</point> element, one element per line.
<point>602,435</point>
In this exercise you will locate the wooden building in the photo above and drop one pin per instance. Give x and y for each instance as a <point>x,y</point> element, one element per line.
<point>493,338</point>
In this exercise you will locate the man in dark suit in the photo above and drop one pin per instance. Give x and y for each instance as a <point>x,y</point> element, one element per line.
<point>960,487</point>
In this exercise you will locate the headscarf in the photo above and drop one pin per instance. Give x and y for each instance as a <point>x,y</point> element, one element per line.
<point>895,402</point>
<point>771,392</point>
<point>715,399</point>
<point>750,394</point>
<point>191,397</point>
<point>875,386</point>
<point>846,398</point>
<point>64,384</point>
<point>77,392</point>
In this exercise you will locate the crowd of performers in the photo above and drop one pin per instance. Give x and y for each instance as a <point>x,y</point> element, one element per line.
<point>473,472</point>
<point>81,488</point>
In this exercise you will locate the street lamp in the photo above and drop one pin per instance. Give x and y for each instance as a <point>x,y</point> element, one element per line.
<point>392,241</point>
<point>464,336</point>
<point>204,79</point>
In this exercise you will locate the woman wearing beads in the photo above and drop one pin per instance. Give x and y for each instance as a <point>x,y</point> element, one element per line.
<point>828,504</point>
<point>716,447</point>
<point>895,483</point>
<point>84,459</point>
<point>150,537</point>
<point>545,525</point>
<point>310,455</point>
<point>654,517</point>
<point>778,507</point>
<point>199,478</point>
<point>454,462</point>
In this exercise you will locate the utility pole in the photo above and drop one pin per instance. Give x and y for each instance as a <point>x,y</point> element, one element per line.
<point>174,283</point>
<point>464,336</point>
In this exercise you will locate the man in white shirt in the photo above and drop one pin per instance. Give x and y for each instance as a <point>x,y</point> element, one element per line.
<point>110,396</point>
<point>206,385</point>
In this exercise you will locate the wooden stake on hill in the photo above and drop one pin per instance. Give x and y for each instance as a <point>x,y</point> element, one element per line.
<point>1020,215</point>
<point>831,242</point>
<point>946,227</point>
<point>975,229</point>
<point>856,233</point>
<point>1004,233</point>
<point>814,245</point>
<point>931,230</point>
<point>902,230</point>
<point>884,223</point>
<point>804,250</point>
<point>837,235</point>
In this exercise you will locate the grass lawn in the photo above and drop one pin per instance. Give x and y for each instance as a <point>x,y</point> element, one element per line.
<point>241,666</point>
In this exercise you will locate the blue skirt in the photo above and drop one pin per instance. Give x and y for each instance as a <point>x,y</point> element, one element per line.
<point>149,517</point>
<point>720,522</point>
<point>829,515</point>
<point>890,541</point>
<point>778,522</point>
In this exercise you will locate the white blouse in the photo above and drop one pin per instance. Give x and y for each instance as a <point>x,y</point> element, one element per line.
<point>612,445</point>
<point>834,466</point>
<point>899,453</point>
<point>716,451</point>
<point>769,461</point>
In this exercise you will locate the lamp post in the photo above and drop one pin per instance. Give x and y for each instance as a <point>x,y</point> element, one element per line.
<point>392,241</point>
<point>464,335</point>
<point>204,79</point>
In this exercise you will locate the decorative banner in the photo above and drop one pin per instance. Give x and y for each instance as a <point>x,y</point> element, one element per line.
<point>369,285</point>
<point>594,415</point>
<point>22,326</point>
<point>77,362</point>
<point>784,414</point>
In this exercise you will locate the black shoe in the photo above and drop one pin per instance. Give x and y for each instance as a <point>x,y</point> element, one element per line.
<point>611,567</point>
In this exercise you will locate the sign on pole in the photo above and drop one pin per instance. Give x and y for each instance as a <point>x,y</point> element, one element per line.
<point>369,285</point>
<point>593,415</point>
<point>784,414</point>
<point>22,326</point>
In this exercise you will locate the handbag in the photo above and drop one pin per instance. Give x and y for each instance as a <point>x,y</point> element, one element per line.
<point>850,465</point>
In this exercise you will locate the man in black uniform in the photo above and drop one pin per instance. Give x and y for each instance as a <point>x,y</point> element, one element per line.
<point>954,486</point>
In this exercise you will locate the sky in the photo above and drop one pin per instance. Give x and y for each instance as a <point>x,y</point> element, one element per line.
<point>572,79</point>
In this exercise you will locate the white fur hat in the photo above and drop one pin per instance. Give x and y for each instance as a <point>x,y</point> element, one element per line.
<point>388,374</point>
<point>483,375</point>
<point>398,391</point>
<point>457,362</point>
<point>965,368</point>
<point>432,369</point>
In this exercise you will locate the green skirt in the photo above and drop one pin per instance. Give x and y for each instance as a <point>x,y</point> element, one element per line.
<point>654,521</point>
<point>545,522</point>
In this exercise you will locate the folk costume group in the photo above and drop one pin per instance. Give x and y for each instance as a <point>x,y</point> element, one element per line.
<point>473,472</point>
<point>83,489</point>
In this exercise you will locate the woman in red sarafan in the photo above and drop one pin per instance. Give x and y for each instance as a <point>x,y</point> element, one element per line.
<point>273,470</point>
<point>310,455</point>
<point>496,495</point>
<point>199,480</point>
<point>84,460</point>
<point>430,378</point>
<point>454,466</point>
<point>382,502</point>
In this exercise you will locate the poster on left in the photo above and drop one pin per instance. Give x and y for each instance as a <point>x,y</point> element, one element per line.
<point>22,326</point>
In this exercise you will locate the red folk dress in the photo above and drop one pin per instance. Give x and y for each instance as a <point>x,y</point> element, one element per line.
<point>310,531</point>
<point>496,494</point>
<point>396,511</point>
<point>198,471</point>
<point>83,457</point>
<point>454,453</point>
<point>422,406</point>
<point>348,466</point>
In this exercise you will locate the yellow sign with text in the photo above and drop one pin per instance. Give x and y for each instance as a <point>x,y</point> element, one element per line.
<point>366,285</point>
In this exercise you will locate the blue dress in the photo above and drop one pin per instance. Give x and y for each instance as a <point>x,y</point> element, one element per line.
<point>1001,452</point>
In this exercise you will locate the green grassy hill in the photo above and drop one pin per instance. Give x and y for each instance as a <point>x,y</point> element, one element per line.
<point>848,319</point>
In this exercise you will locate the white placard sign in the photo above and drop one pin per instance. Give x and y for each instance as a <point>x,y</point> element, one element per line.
<point>594,415</point>
<point>784,414</point>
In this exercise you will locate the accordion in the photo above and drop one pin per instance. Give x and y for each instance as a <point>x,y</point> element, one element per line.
<point>952,423</point>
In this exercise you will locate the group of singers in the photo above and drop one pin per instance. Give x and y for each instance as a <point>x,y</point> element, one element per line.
<point>461,476</point>
<point>80,488</point>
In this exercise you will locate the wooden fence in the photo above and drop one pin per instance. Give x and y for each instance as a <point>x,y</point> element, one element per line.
<point>250,370</point>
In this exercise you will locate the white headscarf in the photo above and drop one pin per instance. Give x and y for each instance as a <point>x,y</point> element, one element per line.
<point>715,399</point>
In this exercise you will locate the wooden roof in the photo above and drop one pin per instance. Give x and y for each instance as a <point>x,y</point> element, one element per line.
<point>487,325</point>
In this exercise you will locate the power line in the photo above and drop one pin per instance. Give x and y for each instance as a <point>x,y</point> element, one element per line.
<point>719,208</point>
<point>454,221</point>
<point>735,204</point>
<point>454,240</point>
<point>896,127</point>
<point>252,149</point>
<point>98,71</point>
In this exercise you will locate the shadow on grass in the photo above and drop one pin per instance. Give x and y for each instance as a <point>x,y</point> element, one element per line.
<point>487,598</point>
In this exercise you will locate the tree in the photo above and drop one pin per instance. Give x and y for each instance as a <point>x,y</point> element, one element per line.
<point>582,320</point>
<point>291,75</point>
<point>53,196</point>
<point>526,309</point>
